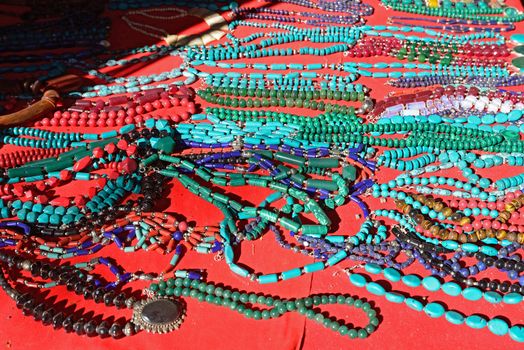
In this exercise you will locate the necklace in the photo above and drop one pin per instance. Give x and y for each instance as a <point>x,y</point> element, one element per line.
<point>241,302</point>
<point>149,30</point>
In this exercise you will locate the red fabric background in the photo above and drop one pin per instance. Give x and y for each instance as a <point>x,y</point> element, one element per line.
<point>212,327</point>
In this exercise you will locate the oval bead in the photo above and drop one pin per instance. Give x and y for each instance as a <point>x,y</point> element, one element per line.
<point>357,279</point>
<point>414,304</point>
<point>517,333</point>
<point>434,310</point>
<point>411,280</point>
<point>395,297</point>
<point>518,38</point>
<point>472,293</point>
<point>492,297</point>
<point>476,321</point>
<point>431,283</point>
<point>454,317</point>
<point>450,244</point>
<point>375,288</point>
<point>373,268</point>
<point>470,247</point>
<point>498,326</point>
<point>451,288</point>
<point>392,274</point>
<point>512,298</point>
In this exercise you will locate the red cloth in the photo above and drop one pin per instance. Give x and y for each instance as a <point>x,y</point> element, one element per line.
<point>212,327</point>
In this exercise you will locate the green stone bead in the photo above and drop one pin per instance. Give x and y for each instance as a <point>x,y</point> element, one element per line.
<point>362,333</point>
<point>352,333</point>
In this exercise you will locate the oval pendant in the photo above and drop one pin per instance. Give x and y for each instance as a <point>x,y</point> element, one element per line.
<point>518,62</point>
<point>158,315</point>
<point>518,38</point>
<point>519,49</point>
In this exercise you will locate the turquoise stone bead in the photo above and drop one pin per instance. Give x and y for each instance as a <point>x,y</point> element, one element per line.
<point>291,274</point>
<point>43,219</point>
<point>414,304</point>
<point>498,326</point>
<point>434,310</point>
<point>313,267</point>
<point>476,321</point>
<point>512,298</point>
<point>375,288</point>
<point>492,297</point>
<point>373,268</point>
<point>470,247</point>
<point>411,280</point>
<point>517,333</point>
<point>54,219</point>
<point>472,293</point>
<point>431,283</point>
<point>451,288</point>
<point>392,274</point>
<point>452,245</point>
<point>272,278</point>
<point>395,297</point>
<point>454,317</point>
<point>358,280</point>
<point>518,38</point>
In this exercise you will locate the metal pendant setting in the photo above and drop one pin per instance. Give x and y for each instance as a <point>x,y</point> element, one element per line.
<point>158,315</point>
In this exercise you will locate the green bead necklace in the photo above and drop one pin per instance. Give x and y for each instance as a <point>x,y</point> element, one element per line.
<point>480,11</point>
<point>255,98</point>
<point>242,302</point>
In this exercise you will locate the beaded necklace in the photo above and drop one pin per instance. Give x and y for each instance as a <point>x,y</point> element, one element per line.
<point>470,11</point>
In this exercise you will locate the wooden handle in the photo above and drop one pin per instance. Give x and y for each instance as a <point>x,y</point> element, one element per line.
<point>46,104</point>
